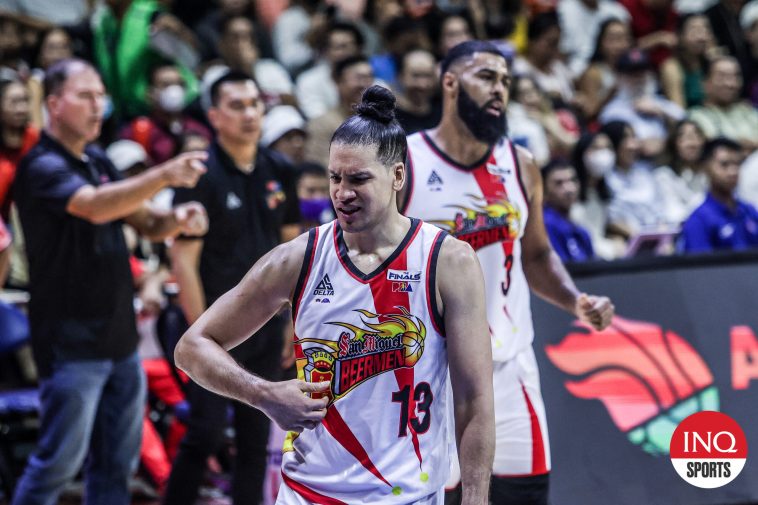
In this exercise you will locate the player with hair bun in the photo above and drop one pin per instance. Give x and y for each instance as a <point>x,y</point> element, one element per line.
<point>381,319</point>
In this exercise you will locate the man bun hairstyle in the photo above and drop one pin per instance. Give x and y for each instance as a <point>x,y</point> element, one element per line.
<point>374,124</point>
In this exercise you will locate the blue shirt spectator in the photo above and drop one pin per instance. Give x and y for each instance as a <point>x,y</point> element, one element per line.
<point>715,225</point>
<point>722,221</point>
<point>570,241</point>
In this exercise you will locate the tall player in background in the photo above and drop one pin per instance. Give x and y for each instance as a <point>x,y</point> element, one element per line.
<point>380,316</point>
<point>467,177</point>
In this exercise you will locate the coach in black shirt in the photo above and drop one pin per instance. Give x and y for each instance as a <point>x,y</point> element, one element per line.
<point>72,205</point>
<point>252,205</point>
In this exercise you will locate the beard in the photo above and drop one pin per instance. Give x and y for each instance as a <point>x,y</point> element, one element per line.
<point>482,125</point>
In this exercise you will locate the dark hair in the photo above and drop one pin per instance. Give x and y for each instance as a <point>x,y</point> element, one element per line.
<point>374,124</point>
<point>158,65</point>
<point>227,19</point>
<point>466,49</point>
<point>37,53</point>
<point>230,76</point>
<point>341,26</point>
<point>577,161</point>
<point>541,23</point>
<point>342,65</point>
<point>59,72</point>
<point>710,147</point>
<point>615,131</point>
<point>673,156</point>
<point>553,165</point>
<point>518,79</point>
<point>311,168</point>
<point>437,21</point>
<point>604,26</point>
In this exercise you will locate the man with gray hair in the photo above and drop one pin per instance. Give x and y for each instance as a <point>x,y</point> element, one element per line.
<point>72,203</point>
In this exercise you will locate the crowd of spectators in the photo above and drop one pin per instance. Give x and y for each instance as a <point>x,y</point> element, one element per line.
<point>641,113</point>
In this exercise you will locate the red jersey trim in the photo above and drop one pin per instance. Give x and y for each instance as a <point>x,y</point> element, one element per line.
<point>308,493</point>
<point>305,272</point>
<point>355,273</point>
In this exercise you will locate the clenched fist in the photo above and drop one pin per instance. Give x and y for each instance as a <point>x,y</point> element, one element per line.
<point>191,218</point>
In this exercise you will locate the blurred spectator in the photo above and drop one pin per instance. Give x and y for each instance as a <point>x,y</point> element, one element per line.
<point>748,187</point>
<point>654,26</point>
<point>352,75</point>
<point>749,23</point>
<point>448,31</point>
<point>124,41</point>
<point>12,65</point>
<point>129,157</point>
<point>417,105</point>
<point>252,207</point>
<point>289,35</point>
<point>531,117</point>
<point>210,28</point>
<point>725,23</point>
<point>81,312</point>
<point>400,35</point>
<point>5,252</point>
<point>681,180</point>
<point>17,137</point>
<point>54,45</point>
<point>543,61</point>
<point>54,12</point>
<point>636,102</point>
<point>598,83</point>
<point>160,132</point>
<point>239,52</point>
<point>722,221</point>
<point>570,241</point>
<point>313,193</point>
<point>581,22</point>
<point>682,74</point>
<point>593,159</point>
<point>724,114</point>
<point>316,90</point>
<point>635,204</point>
<point>284,132</point>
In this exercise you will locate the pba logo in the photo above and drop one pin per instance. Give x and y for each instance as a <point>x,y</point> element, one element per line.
<point>648,379</point>
<point>708,449</point>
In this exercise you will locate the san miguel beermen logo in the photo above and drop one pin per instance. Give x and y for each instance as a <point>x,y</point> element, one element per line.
<point>648,379</point>
<point>359,354</point>
<point>484,223</point>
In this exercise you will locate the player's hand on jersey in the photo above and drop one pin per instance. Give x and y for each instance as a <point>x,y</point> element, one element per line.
<point>597,311</point>
<point>287,404</point>
<point>183,171</point>
<point>191,218</point>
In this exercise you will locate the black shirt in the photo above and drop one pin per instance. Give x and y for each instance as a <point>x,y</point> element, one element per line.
<point>245,214</point>
<point>413,123</point>
<point>79,277</point>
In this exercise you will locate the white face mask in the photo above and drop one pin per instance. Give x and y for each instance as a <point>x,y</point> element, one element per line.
<point>599,162</point>
<point>171,99</point>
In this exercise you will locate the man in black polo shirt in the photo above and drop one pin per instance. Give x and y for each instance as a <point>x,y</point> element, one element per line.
<point>72,205</point>
<point>252,206</point>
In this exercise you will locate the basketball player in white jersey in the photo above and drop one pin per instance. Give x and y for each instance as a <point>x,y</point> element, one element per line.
<point>468,178</point>
<point>383,307</point>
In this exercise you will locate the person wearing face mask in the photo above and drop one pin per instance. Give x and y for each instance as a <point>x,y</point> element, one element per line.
<point>313,193</point>
<point>593,158</point>
<point>571,241</point>
<point>161,131</point>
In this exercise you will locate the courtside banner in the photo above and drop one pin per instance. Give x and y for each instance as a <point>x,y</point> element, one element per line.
<point>685,340</point>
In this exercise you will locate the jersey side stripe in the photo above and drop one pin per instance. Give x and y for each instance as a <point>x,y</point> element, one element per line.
<point>305,271</point>
<point>431,283</point>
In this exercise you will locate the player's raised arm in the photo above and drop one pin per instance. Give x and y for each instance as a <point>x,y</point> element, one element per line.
<point>202,352</point>
<point>461,288</point>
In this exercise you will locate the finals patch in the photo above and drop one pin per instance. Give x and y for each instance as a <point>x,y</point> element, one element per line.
<point>403,276</point>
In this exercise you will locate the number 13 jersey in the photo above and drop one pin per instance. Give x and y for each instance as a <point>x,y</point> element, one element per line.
<point>378,339</point>
<point>484,204</point>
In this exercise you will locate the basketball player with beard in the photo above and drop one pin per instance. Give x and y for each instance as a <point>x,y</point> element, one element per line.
<point>467,177</point>
<point>380,316</point>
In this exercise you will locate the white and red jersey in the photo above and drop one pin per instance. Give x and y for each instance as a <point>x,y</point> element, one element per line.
<point>484,204</point>
<point>378,339</point>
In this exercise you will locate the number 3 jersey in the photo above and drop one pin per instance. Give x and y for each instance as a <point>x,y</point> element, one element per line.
<point>484,204</point>
<point>377,339</point>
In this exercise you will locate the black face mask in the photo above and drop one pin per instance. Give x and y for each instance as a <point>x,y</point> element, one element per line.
<point>482,125</point>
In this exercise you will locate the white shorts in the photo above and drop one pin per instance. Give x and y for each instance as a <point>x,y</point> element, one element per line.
<point>287,496</point>
<point>521,442</point>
